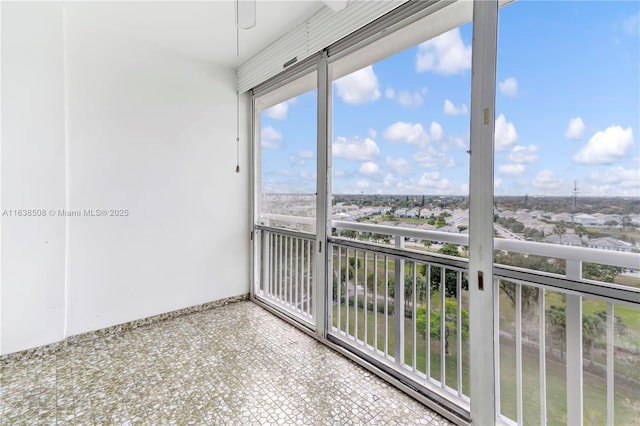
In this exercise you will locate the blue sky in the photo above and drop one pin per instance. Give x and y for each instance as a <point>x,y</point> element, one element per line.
<point>567,109</point>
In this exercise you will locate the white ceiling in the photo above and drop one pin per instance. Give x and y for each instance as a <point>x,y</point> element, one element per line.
<point>203,29</point>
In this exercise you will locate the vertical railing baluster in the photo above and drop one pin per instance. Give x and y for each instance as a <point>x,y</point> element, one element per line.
<point>297,290</point>
<point>459,331</point>
<point>266,273</point>
<point>519,353</point>
<point>398,305</point>
<point>413,319</point>
<point>309,278</point>
<point>291,276</point>
<point>365,309</point>
<point>355,295</point>
<point>331,292</point>
<point>279,282</point>
<point>496,341</point>
<point>610,363</point>
<point>574,347</point>
<point>375,301</point>
<point>542,345</point>
<point>386,305</point>
<point>428,325</point>
<point>339,288</point>
<point>443,315</point>
<point>346,280</point>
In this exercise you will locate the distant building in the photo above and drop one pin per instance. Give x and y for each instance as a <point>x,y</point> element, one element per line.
<point>587,220</point>
<point>413,213</point>
<point>401,213</point>
<point>562,217</point>
<point>609,243</point>
<point>566,240</point>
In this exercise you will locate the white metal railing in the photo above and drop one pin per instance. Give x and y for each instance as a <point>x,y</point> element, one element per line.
<point>561,295</point>
<point>538,325</point>
<point>407,313</point>
<point>286,271</point>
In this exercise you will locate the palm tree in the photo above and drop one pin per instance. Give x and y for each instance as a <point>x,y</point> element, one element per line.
<point>560,229</point>
<point>580,231</point>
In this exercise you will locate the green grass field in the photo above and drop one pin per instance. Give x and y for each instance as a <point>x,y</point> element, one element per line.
<point>594,386</point>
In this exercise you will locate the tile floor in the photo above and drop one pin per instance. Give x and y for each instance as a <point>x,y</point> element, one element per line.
<point>233,365</point>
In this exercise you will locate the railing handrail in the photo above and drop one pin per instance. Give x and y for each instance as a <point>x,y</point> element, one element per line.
<point>558,251</point>
<point>585,254</point>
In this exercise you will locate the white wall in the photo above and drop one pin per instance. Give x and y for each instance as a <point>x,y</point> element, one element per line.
<point>32,276</point>
<point>147,129</point>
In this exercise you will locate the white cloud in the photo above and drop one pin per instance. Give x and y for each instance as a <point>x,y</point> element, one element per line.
<point>457,142</point>
<point>295,160</point>
<point>404,97</point>
<point>433,181</point>
<point>435,130</point>
<point>497,183</point>
<point>407,99</point>
<point>524,154</point>
<point>362,184</point>
<point>446,54</point>
<point>305,175</point>
<point>305,154</point>
<point>356,149</point>
<point>506,134</point>
<point>407,133</point>
<point>271,138</point>
<point>369,168</point>
<point>511,169</point>
<point>547,182</point>
<point>358,88</point>
<point>509,87</point>
<point>606,147</point>
<point>618,176</point>
<point>450,109</point>
<point>433,159</point>
<point>399,166</point>
<point>278,112</point>
<point>389,180</point>
<point>373,133</point>
<point>413,133</point>
<point>575,130</point>
<point>631,25</point>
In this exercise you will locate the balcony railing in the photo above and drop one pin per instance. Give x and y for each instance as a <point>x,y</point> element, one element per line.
<point>286,271</point>
<point>562,352</point>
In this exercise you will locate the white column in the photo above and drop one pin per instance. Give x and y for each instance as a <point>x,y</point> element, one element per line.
<point>322,188</point>
<point>573,334</point>
<point>398,303</point>
<point>481,288</point>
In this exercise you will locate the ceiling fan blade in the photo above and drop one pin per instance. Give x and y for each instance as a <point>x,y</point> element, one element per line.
<point>246,14</point>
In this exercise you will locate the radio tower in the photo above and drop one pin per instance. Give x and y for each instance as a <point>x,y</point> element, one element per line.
<point>575,195</point>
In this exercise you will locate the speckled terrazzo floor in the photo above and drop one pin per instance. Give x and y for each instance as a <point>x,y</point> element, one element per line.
<point>233,365</point>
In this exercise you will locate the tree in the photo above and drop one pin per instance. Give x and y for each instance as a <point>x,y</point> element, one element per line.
<point>557,326</point>
<point>450,277</point>
<point>349,233</point>
<point>605,273</point>
<point>528,295</point>
<point>619,327</point>
<point>427,243</point>
<point>593,329</point>
<point>450,324</point>
<point>559,229</point>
